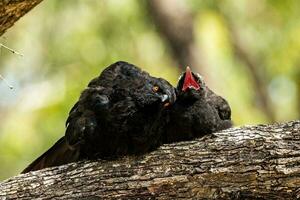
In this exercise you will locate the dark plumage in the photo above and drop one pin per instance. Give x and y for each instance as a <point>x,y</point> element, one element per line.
<point>196,112</point>
<point>116,115</point>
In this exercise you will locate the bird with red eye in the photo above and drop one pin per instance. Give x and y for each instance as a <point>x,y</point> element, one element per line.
<point>197,111</point>
<point>118,114</point>
<point>157,89</point>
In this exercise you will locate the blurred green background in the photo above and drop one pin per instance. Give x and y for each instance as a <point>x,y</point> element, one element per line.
<point>247,51</point>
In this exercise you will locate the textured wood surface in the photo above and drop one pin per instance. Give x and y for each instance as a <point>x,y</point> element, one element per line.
<point>12,10</point>
<point>261,161</point>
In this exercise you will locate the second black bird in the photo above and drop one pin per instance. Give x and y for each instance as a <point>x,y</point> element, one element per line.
<point>197,111</point>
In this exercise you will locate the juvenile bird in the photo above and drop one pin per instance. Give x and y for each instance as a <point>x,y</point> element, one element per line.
<point>117,114</point>
<point>197,111</point>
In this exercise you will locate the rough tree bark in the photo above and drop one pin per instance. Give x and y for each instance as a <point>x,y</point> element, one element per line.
<point>12,10</point>
<point>261,162</point>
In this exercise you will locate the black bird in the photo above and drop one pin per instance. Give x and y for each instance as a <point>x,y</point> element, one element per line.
<point>216,101</point>
<point>117,114</point>
<point>197,111</point>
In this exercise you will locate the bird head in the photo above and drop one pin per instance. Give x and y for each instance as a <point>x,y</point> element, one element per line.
<point>156,93</point>
<point>190,84</point>
<point>164,91</point>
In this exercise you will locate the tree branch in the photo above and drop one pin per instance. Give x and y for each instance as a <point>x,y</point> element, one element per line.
<point>258,81</point>
<point>261,161</point>
<point>175,23</point>
<point>12,10</point>
<point>253,65</point>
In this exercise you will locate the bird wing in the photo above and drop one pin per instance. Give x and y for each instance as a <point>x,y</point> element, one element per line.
<point>86,115</point>
<point>220,104</point>
<point>58,154</point>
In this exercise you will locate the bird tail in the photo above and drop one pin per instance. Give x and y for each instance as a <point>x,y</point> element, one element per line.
<point>59,154</point>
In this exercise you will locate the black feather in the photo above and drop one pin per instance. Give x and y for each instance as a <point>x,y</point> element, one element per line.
<point>54,156</point>
<point>195,113</point>
<point>116,115</point>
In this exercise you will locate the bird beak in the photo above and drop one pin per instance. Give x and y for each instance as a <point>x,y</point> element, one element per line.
<point>167,104</point>
<point>165,100</point>
<point>189,81</point>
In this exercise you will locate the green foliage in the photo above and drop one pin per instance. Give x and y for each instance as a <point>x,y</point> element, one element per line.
<point>67,43</point>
